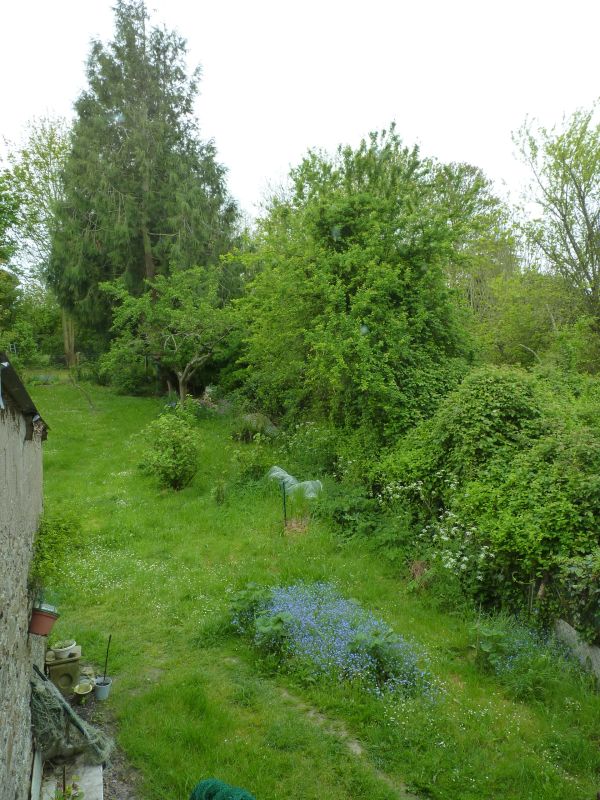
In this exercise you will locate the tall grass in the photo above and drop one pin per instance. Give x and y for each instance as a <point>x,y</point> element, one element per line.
<point>158,568</point>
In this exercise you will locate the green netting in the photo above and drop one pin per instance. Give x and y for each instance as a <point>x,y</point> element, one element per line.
<point>214,789</point>
<point>57,739</point>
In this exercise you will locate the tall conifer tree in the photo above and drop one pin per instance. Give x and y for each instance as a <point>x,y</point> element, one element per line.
<point>143,195</point>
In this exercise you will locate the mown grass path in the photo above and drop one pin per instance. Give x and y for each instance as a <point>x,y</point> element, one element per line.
<point>157,568</point>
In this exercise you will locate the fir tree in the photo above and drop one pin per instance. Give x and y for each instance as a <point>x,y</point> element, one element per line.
<point>143,195</point>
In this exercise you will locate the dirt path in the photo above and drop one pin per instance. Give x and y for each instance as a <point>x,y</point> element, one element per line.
<point>338,729</point>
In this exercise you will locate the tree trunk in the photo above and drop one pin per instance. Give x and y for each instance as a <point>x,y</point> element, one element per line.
<point>68,326</point>
<point>183,387</point>
<point>149,267</point>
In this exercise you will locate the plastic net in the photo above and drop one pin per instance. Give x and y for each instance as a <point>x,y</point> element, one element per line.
<point>56,737</point>
<point>213,789</point>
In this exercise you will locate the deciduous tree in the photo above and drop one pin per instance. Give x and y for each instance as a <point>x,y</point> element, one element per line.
<point>180,323</point>
<point>350,316</point>
<point>565,165</point>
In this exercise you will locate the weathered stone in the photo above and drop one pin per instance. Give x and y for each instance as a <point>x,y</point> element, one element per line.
<point>20,508</point>
<point>588,655</point>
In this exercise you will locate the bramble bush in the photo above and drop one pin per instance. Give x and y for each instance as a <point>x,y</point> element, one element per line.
<point>504,485</point>
<point>314,631</point>
<point>173,445</point>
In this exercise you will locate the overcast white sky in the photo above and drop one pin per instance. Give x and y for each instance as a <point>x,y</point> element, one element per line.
<point>279,77</point>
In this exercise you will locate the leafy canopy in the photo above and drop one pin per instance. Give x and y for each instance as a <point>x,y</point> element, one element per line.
<point>350,316</point>
<point>565,167</point>
<point>180,323</point>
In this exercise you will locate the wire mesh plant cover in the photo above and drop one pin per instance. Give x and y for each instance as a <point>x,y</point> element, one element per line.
<point>214,789</point>
<point>306,489</point>
<point>55,738</point>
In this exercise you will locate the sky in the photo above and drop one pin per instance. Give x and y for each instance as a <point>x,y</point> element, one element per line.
<point>279,78</point>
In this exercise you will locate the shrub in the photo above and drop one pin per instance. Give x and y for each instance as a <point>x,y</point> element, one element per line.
<point>529,665</point>
<point>320,634</point>
<point>577,595</point>
<point>494,409</point>
<point>127,369</point>
<point>312,447</point>
<point>253,461</point>
<point>350,510</point>
<point>56,535</point>
<point>503,483</point>
<point>248,425</point>
<point>172,448</point>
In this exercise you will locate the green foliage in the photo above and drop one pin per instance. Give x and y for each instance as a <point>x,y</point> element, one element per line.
<point>72,791</point>
<point>492,410</point>
<point>311,447</point>
<point>576,347</point>
<point>55,541</point>
<point>504,482</point>
<point>529,666</point>
<point>9,207</point>
<point>565,166</point>
<point>173,447</point>
<point>248,425</point>
<point>349,316</point>
<point>127,367</point>
<point>30,323</point>
<point>246,604</point>
<point>525,316</point>
<point>179,324</point>
<point>143,195</point>
<point>252,461</point>
<point>37,177</point>
<point>9,295</point>
<point>577,594</point>
<point>272,631</point>
<point>350,510</point>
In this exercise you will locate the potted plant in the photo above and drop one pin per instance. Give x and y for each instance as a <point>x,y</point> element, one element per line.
<point>43,614</point>
<point>63,648</point>
<point>54,536</point>
<point>103,684</point>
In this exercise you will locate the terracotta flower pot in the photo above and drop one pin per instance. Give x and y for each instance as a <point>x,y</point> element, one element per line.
<point>42,620</point>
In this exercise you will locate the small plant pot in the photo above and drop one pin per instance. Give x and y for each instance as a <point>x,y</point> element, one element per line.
<point>61,653</point>
<point>42,620</point>
<point>102,688</point>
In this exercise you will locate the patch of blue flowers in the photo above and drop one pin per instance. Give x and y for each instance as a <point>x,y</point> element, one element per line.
<point>325,635</point>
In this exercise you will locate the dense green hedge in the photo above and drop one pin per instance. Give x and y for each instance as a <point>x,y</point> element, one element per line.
<point>503,484</point>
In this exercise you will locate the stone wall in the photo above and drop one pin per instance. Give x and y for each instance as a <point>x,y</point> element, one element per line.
<point>588,655</point>
<point>20,508</point>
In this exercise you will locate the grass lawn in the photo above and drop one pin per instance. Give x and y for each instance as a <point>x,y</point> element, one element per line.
<point>157,569</point>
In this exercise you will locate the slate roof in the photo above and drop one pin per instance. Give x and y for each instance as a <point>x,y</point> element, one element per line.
<point>11,384</point>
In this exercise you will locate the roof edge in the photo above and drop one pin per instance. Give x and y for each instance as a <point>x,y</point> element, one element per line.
<point>10,381</point>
